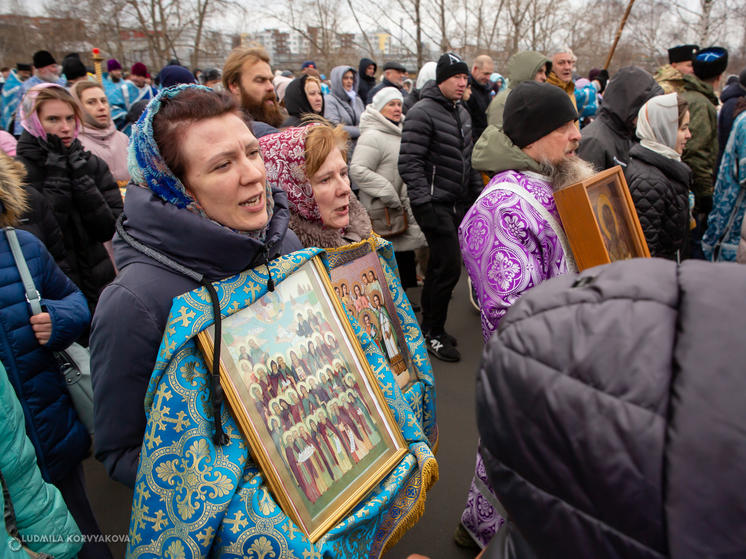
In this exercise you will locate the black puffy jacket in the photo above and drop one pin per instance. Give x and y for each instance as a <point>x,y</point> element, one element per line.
<point>481,95</point>
<point>611,413</point>
<point>660,190</point>
<point>86,213</point>
<point>435,153</point>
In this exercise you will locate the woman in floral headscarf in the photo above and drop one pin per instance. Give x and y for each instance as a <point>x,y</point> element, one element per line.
<point>77,185</point>
<point>310,164</point>
<point>198,209</point>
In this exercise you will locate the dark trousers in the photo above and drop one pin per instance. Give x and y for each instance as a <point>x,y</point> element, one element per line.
<point>407,268</point>
<point>439,224</point>
<point>73,492</point>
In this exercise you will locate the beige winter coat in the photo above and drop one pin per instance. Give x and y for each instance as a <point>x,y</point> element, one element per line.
<point>374,170</point>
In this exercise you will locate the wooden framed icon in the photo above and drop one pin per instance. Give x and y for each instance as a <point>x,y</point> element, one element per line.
<point>600,220</point>
<point>361,286</point>
<point>300,388</point>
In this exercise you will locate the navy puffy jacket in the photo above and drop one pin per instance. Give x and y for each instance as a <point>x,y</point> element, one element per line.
<point>60,439</point>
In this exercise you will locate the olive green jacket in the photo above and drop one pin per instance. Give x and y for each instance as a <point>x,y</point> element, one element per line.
<point>701,150</point>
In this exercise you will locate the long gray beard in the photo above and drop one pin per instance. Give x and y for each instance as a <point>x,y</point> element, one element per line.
<point>567,172</point>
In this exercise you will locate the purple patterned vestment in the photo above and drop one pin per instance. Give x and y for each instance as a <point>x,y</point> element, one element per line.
<point>507,247</point>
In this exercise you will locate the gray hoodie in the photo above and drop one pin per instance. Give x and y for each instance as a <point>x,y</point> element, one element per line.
<point>339,108</point>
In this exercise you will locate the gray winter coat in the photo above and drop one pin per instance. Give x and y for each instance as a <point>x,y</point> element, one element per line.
<point>374,170</point>
<point>741,257</point>
<point>338,107</point>
<point>611,410</point>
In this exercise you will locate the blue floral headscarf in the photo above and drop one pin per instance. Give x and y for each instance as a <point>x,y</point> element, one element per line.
<point>148,169</point>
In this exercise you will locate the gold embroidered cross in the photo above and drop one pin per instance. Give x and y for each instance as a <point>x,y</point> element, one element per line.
<point>238,523</point>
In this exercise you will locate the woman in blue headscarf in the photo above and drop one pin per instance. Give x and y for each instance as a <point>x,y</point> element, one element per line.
<point>198,210</point>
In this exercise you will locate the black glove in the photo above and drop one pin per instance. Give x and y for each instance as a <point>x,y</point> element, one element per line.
<point>56,155</point>
<point>77,159</point>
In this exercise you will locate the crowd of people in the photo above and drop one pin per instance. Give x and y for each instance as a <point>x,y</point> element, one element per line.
<point>131,190</point>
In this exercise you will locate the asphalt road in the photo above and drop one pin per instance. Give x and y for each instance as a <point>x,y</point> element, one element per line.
<point>432,536</point>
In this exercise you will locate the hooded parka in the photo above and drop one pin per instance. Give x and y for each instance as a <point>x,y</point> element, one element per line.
<point>339,108</point>
<point>610,408</point>
<point>607,140</point>
<point>522,67</point>
<point>366,82</point>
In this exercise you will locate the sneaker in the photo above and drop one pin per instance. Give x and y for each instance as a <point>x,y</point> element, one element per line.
<point>446,337</point>
<point>440,348</point>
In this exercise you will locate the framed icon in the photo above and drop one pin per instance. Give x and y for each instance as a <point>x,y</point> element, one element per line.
<point>361,286</point>
<point>600,220</point>
<point>298,383</point>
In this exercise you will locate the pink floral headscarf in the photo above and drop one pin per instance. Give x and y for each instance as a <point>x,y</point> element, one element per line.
<point>285,161</point>
<point>30,119</point>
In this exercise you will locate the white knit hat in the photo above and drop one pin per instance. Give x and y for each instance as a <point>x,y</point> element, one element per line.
<point>384,96</point>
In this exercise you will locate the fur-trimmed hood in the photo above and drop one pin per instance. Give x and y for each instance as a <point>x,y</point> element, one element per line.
<point>12,194</point>
<point>316,235</point>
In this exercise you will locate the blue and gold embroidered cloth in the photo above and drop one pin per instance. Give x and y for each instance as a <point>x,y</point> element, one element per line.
<point>193,499</point>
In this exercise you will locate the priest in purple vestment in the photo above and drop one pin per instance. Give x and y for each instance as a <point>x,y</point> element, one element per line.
<point>512,238</point>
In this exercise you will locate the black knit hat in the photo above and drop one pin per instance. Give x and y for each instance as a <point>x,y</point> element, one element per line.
<point>710,62</point>
<point>72,67</point>
<point>682,53</point>
<point>535,109</point>
<point>23,67</point>
<point>449,64</point>
<point>43,58</point>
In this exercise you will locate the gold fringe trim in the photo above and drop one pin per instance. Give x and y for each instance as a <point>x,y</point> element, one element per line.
<point>430,475</point>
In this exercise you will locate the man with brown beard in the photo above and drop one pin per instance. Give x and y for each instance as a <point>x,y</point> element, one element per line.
<point>512,238</point>
<point>248,76</point>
